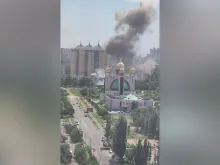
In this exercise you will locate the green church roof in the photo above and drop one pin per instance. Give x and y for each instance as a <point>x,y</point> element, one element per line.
<point>115,85</point>
<point>131,97</point>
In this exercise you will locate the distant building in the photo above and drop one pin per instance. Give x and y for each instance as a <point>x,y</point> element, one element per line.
<point>86,59</point>
<point>120,91</point>
<point>154,55</point>
<point>99,77</point>
<point>82,60</point>
<point>65,56</point>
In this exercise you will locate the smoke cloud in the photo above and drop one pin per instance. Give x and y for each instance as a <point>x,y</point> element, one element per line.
<point>146,68</point>
<point>131,24</point>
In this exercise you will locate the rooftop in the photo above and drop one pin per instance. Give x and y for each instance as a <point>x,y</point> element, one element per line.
<point>132,97</point>
<point>126,97</point>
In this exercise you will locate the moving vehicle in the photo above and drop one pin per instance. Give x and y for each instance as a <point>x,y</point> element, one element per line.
<point>105,148</point>
<point>85,115</point>
<point>89,109</point>
<point>110,151</point>
<point>105,144</point>
<point>103,138</point>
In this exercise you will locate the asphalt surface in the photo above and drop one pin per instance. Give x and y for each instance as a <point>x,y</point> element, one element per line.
<point>92,136</point>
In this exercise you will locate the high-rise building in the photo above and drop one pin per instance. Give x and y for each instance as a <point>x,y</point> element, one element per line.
<point>154,55</point>
<point>86,59</point>
<point>65,56</point>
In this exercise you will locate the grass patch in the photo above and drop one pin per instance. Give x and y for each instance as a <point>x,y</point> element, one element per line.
<point>93,122</point>
<point>74,91</point>
<point>136,135</point>
<point>98,118</point>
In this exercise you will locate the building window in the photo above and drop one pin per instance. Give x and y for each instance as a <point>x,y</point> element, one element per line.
<point>115,85</point>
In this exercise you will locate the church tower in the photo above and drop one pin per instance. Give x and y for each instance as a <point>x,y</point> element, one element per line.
<point>117,82</point>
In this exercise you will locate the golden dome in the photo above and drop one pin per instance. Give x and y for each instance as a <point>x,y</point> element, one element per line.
<point>121,70</point>
<point>108,69</point>
<point>120,64</point>
<point>132,70</point>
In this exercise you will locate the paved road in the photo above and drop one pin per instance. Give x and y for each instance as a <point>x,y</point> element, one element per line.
<point>92,135</point>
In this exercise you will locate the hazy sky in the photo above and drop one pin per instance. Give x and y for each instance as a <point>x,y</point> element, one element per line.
<point>93,21</point>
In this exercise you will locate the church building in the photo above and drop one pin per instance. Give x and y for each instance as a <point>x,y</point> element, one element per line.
<point>119,87</point>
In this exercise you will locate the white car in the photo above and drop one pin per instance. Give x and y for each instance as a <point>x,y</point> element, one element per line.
<point>110,151</point>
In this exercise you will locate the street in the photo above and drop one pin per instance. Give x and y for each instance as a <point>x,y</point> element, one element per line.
<point>92,136</point>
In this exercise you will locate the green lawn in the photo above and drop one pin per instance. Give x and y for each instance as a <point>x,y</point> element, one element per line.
<point>134,134</point>
<point>74,91</point>
<point>98,118</point>
<point>128,117</point>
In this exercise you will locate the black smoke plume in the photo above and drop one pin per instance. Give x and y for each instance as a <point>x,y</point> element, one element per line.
<point>131,24</point>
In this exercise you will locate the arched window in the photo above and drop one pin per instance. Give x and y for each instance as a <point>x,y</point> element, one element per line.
<point>115,85</point>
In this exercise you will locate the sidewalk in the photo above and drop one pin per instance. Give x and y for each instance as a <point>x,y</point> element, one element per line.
<point>72,146</point>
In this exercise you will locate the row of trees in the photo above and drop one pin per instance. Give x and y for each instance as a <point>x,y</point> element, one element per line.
<point>84,155</point>
<point>66,107</point>
<point>65,154</point>
<point>75,135</point>
<point>75,82</point>
<point>147,122</point>
<point>89,92</point>
<point>139,155</point>
<point>63,139</point>
<point>100,110</point>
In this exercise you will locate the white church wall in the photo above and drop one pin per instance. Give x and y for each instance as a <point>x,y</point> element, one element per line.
<point>115,104</point>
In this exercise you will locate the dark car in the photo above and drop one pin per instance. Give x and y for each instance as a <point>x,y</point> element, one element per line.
<point>105,148</point>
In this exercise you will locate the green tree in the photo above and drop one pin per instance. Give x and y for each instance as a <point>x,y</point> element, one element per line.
<point>138,157</point>
<point>108,129</point>
<point>145,152</point>
<point>128,130</point>
<point>81,156</point>
<point>130,153</point>
<point>76,136</point>
<point>63,138</point>
<point>84,91</point>
<point>119,139</point>
<point>69,128</point>
<point>65,154</point>
<point>85,81</point>
<point>67,81</point>
<point>74,82</point>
